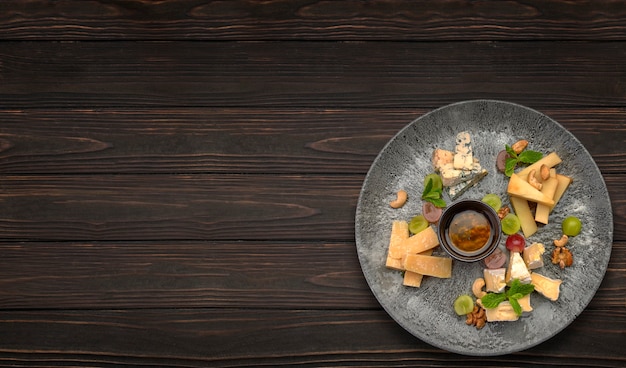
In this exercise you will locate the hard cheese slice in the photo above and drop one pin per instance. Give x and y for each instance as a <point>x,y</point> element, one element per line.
<point>429,265</point>
<point>520,188</point>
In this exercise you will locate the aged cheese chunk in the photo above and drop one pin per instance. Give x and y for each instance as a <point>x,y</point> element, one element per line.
<point>463,155</point>
<point>562,185</point>
<point>424,240</point>
<point>517,269</point>
<point>397,250</point>
<point>442,157</point>
<point>522,189</point>
<point>548,188</point>
<point>503,312</point>
<point>533,256</point>
<point>429,265</point>
<point>522,210</point>
<point>494,279</point>
<point>546,286</point>
<point>414,279</point>
<point>550,161</point>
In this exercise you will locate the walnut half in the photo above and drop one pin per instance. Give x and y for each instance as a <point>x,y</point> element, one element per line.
<point>562,256</point>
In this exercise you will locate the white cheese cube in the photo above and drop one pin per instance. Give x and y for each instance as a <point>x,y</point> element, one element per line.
<point>494,280</point>
<point>517,269</point>
<point>533,256</point>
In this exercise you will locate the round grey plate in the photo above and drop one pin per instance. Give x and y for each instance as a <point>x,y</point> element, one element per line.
<point>427,312</point>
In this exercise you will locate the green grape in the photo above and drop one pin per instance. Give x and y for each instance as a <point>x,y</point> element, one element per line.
<point>437,183</point>
<point>571,226</point>
<point>417,224</point>
<point>493,200</point>
<point>510,224</point>
<point>463,305</point>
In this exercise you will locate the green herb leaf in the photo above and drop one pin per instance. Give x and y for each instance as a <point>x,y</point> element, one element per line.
<point>510,151</point>
<point>529,157</point>
<point>518,288</point>
<point>438,202</point>
<point>431,195</point>
<point>509,166</point>
<point>427,188</point>
<point>491,300</point>
<point>516,296</point>
<point>516,307</point>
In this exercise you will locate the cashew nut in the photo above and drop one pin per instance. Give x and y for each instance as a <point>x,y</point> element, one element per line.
<point>561,242</point>
<point>400,200</point>
<point>532,180</point>
<point>477,288</point>
<point>519,146</point>
<point>545,172</point>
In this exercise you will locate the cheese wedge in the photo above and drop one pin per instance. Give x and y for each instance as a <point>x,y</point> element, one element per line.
<point>396,250</point>
<point>533,255</point>
<point>429,265</point>
<point>414,279</point>
<point>522,210</point>
<point>503,312</point>
<point>562,185</point>
<point>546,286</point>
<point>550,161</point>
<point>549,188</point>
<point>524,302</point>
<point>517,269</point>
<point>420,242</point>
<point>520,188</point>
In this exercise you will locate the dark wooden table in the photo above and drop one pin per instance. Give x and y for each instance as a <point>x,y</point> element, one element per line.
<point>179,178</point>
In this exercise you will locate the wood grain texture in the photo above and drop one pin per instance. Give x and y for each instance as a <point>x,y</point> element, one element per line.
<point>263,337</point>
<point>241,140</point>
<point>311,20</point>
<point>195,207</point>
<point>247,274</point>
<point>313,74</point>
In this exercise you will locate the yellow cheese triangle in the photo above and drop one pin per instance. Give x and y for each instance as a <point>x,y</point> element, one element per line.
<point>519,187</point>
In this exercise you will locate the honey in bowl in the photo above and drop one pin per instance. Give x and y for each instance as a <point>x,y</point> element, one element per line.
<point>469,230</point>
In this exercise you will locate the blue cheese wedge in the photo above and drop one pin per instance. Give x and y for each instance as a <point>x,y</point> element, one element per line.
<point>517,269</point>
<point>533,256</point>
<point>442,157</point>
<point>463,154</point>
<point>455,191</point>
<point>494,279</point>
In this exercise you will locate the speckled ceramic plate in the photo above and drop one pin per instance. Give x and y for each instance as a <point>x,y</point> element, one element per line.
<point>427,312</point>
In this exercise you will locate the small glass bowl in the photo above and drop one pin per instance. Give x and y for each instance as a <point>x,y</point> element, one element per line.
<point>446,220</point>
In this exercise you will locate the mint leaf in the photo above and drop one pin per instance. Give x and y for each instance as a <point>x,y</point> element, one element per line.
<point>510,151</point>
<point>530,157</point>
<point>509,166</point>
<point>516,296</point>
<point>427,188</point>
<point>431,195</point>
<point>438,202</point>
<point>516,307</point>
<point>491,300</point>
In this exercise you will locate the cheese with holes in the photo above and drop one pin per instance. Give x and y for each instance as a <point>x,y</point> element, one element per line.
<point>533,256</point>
<point>517,269</point>
<point>550,288</point>
<point>429,265</point>
<point>494,279</point>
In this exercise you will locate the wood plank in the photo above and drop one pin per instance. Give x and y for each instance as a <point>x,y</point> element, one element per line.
<point>207,274</point>
<point>263,337</point>
<point>188,207</point>
<point>311,20</point>
<point>250,140</point>
<point>210,274</point>
<point>90,75</point>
